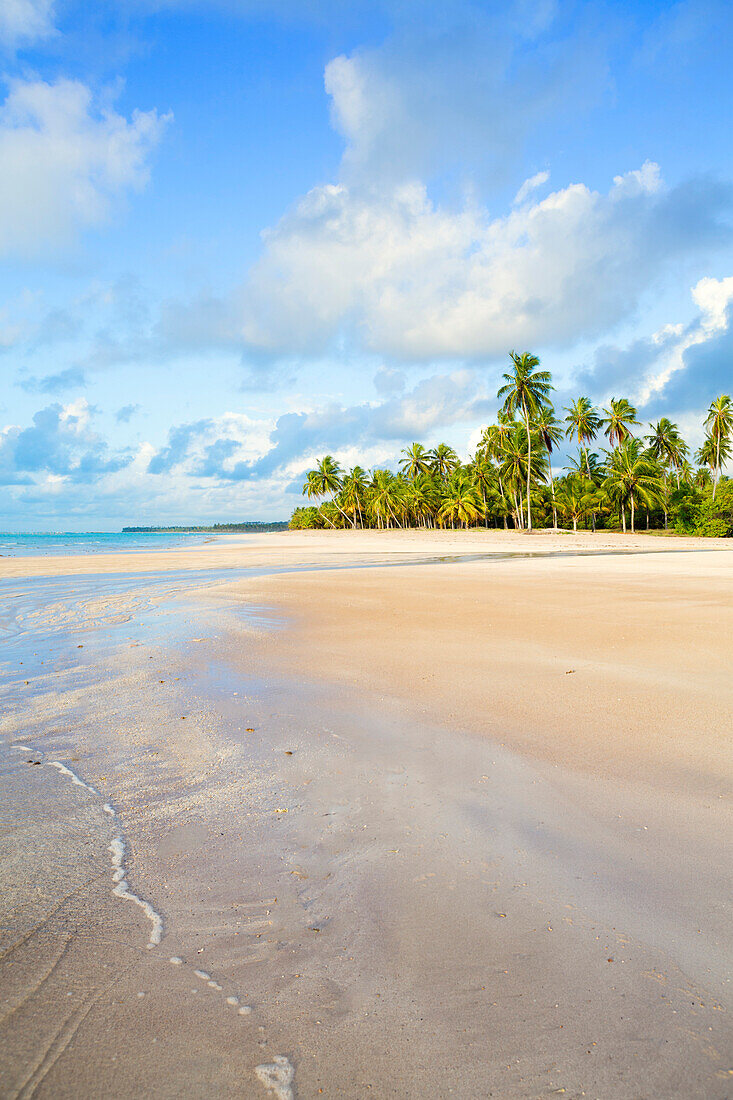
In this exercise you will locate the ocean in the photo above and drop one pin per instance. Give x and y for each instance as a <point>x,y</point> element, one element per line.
<point>94,542</point>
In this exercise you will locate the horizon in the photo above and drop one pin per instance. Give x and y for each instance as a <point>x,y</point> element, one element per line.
<point>233,240</point>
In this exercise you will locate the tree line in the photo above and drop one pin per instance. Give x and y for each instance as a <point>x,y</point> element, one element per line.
<point>509,480</point>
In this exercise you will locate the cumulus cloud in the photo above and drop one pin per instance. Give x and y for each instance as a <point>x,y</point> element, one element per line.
<point>238,449</point>
<point>681,366</point>
<point>65,159</point>
<point>23,21</point>
<point>405,277</point>
<point>60,444</point>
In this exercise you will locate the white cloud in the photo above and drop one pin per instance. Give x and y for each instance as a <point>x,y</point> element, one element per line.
<point>24,21</point>
<point>713,297</point>
<point>64,160</point>
<point>407,278</point>
<point>679,368</point>
<point>529,186</point>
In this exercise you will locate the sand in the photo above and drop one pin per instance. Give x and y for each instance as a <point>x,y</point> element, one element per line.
<point>454,827</point>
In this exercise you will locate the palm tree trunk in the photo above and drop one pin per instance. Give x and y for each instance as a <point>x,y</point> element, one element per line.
<point>623,517</point>
<point>552,484</point>
<point>632,513</point>
<point>529,469</point>
<point>717,466</point>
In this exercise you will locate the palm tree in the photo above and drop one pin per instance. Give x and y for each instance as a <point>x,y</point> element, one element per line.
<point>461,502</point>
<point>575,498</point>
<point>444,460</point>
<point>632,477</point>
<point>416,461</point>
<point>719,423</point>
<point>313,487</point>
<point>583,422</point>
<point>667,445</point>
<point>354,493</point>
<point>386,497</point>
<point>483,477</point>
<point>493,442</point>
<point>712,453</point>
<point>526,388</point>
<point>423,499</point>
<point>550,433</point>
<point>618,420</point>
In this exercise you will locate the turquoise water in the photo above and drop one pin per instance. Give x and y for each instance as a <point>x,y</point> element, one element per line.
<point>94,542</point>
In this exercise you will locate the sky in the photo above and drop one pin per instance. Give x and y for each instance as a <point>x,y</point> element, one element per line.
<point>236,235</point>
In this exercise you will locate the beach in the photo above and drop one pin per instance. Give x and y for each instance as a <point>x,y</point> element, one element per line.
<point>412,814</point>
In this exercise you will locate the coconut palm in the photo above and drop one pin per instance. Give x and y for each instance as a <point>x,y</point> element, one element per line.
<point>493,441</point>
<point>719,423</point>
<point>386,497</point>
<point>483,473</point>
<point>313,487</point>
<point>712,454</point>
<point>423,499</point>
<point>575,498</point>
<point>443,460</point>
<point>526,389</point>
<point>354,493</point>
<point>550,431</point>
<point>632,477</point>
<point>583,423</point>
<point>416,461</point>
<point>619,420</point>
<point>667,445</point>
<point>461,501</point>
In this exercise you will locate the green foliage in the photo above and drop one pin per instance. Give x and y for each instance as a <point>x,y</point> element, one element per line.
<point>509,480</point>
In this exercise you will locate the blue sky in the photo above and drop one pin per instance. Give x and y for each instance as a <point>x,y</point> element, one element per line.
<point>238,234</point>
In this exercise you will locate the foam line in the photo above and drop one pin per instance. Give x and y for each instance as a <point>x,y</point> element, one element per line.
<point>72,776</point>
<point>122,890</point>
<point>117,850</point>
<point>277,1077</point>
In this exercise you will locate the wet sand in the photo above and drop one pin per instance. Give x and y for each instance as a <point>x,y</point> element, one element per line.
<point>457,828</point>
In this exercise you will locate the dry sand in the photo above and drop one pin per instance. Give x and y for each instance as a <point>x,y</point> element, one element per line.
<point>452,828</point>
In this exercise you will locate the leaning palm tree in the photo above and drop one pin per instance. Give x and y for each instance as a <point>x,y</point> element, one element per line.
<point>632,477</point>
<point>444,460</point>
<point>416,461</point>
<point>667,445</point>
<point>324,481</point>
<point>313,488</point>
<point>719,423</point>
<point>550,433</point>
<point>619,420</point>
<point>526,389</point>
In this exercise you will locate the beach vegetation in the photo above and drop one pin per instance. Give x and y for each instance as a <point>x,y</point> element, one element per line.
<point>649,479</point>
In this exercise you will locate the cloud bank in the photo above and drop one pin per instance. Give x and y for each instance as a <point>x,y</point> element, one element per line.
<point>404,277</point>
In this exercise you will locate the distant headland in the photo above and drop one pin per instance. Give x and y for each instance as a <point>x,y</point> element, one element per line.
<point>217,528</point>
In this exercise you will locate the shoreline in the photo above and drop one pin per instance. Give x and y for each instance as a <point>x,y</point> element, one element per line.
<point>367,803</point>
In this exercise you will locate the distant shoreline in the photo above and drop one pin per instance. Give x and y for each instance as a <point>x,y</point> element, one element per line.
<point>216,529</point>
